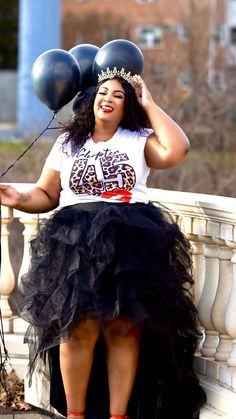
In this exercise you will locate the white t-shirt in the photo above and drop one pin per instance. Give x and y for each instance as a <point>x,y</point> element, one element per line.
<point>111,171</point>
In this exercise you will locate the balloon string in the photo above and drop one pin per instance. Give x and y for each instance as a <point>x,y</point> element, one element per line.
<point>31,145</point>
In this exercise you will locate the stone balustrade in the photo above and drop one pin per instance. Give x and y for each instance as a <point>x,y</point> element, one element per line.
<point>209,222</point>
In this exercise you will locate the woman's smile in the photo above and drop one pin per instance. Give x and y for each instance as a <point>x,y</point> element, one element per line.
<point>107,108</point>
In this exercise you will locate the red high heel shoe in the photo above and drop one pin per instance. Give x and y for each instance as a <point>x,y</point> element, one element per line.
<point>119,417</point>
<point>111,417</point>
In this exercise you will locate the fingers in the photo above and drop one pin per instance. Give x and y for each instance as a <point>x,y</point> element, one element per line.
<point>138,86</point>
<point>138,82</point>
<point>143,94</point>
<point>138,79</point>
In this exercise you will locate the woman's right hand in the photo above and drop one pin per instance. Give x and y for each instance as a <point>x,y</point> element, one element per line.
<point>43,196</point>
<point>8,196</point>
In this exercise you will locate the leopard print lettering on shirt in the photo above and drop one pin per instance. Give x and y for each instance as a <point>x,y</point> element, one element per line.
<point>117,175</point>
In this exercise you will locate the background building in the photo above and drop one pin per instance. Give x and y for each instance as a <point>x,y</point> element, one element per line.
<point>183,41</point>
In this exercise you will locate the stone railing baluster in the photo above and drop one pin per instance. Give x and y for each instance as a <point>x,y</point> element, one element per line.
<point>30,222</point>
<point>7,278</point>
<point>221,301</point>
<point>211,254</point>
<point>230,314</point>
<point>198,266</point>
<point>198,276</point>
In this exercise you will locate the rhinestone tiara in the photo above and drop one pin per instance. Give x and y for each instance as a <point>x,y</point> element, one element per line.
<point>110,74</point>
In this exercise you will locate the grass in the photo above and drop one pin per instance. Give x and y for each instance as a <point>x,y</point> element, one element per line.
<point>28,168</point>
<point>226,160</point>
<point>18,145</point>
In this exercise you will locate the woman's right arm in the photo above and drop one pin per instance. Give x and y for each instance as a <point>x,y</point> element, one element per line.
<point>43,197</point>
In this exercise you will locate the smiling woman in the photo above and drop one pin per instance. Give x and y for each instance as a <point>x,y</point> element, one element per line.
<point>106,293</point>
<point>109,109</point>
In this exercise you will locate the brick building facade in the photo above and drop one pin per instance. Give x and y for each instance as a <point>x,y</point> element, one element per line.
<point>182,40</point>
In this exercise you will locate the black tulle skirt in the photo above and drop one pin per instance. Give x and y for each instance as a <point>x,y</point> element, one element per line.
<point>102,260</point>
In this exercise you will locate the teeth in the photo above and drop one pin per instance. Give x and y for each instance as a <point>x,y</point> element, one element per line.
<point>106,107</point>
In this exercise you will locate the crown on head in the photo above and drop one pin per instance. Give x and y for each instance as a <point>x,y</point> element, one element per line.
<point>110,74</point>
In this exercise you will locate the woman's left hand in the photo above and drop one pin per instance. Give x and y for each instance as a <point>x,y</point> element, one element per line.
<point>144,97</point>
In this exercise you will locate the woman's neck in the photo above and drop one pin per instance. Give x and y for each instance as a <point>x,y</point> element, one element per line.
<point>103,133</point>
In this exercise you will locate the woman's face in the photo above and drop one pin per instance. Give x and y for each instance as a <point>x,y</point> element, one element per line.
<point>109,104</point>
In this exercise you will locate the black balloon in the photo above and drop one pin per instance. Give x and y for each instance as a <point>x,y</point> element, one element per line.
<point>84,54</point>
<point>55,78</point>
<point>119,53</point>
<point>82,97</point>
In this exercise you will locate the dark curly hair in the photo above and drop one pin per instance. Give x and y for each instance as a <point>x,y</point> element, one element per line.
<point>83,122</point>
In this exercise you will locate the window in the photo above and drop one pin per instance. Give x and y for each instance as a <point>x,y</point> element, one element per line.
<point>182,32</point>
<point>109,34</point>
<point>184,80</point>
<point>79,38</point>
<point>169,28</point>
<point>233,35</point>
<point>159,75</point>
<point>149,36</point>
<point>219,34</point>
<point>219,79</point>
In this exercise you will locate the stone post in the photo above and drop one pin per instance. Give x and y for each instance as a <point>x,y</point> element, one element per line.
<point>39,31</point>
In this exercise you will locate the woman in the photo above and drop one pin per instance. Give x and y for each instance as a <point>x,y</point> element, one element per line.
<point>106,294</point>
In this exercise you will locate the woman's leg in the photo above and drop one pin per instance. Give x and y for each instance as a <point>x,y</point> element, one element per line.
<point>123,342</point>
<point>76,358</point>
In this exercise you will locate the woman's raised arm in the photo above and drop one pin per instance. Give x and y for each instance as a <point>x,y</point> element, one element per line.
<point>168,145</point>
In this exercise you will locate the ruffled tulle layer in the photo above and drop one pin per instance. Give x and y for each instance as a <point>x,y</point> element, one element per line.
<point>103,260</point>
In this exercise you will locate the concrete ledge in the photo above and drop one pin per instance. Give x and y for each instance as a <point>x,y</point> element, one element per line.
<point>216,371</point>
<point>31,414</point>
<point>210,413</point>
<point>219,398</point>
